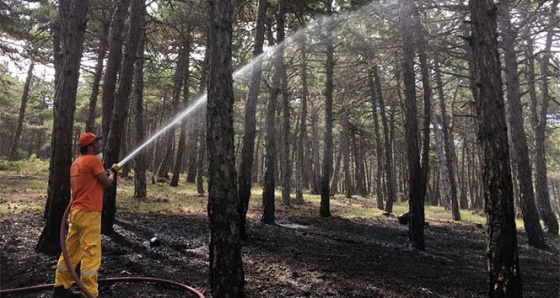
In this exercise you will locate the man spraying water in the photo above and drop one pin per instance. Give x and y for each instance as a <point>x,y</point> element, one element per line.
<point>88,179</point>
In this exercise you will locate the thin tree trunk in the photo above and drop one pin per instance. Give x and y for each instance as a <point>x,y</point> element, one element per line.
<point>543,197</point>
<point>97,74</point>
<point>285,145</point>
<point>345,152</point>
<point>328,149</point>
<point>379,144</point>
<point>184,79</point>
<point>302,138</point>
<point>19,126</point>
<point>113,65</point>
<point>520,150</point>
<point>120,113</point>
<point>448,144</point>
<point>270,140</point>
<point>388,137</point>
<point>140,160</point>
<point>248,150</point>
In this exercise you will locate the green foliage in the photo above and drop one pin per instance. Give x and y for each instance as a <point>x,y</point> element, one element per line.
<point>8,166</point>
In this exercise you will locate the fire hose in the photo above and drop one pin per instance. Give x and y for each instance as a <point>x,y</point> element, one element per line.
<point>76,278</point>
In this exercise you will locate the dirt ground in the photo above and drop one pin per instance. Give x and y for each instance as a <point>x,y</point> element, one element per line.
<point>302,256</point>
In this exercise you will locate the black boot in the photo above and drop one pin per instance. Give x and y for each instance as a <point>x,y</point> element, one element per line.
<point>61,292</point>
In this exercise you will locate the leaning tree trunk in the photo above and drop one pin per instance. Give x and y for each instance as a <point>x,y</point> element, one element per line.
<point>543,197</point>
<point>226,265</point>
<point>24,97</point>
<point>504,279</point>
<point>448,144</point>
<point>519,139</point>
<point>73,15</point>
<point>113,65</point>
<point>97,74</point>
<point>250,121</point>
<point>388,144</point>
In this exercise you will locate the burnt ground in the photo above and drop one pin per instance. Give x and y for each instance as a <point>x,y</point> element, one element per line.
<point>302,256</point>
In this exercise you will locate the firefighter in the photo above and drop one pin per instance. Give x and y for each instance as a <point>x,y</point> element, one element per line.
<point>88,180</point>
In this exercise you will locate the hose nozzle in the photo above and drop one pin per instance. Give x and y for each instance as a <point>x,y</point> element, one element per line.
<point>115,167</point>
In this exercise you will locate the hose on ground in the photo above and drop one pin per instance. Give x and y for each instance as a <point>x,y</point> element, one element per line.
<point>101,280</point>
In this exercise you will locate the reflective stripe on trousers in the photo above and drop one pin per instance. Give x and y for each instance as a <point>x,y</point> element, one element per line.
<point>83,243</point>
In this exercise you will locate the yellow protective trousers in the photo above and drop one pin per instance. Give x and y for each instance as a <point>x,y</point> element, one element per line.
<point>83,243</point>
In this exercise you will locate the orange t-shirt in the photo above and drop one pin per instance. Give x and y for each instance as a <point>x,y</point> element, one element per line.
<point>87,191</point>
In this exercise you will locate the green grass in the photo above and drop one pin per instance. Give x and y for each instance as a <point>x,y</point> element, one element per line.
<point>23,188</point>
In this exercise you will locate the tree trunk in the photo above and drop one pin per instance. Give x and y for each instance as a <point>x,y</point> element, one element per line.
<point>504,279</point>
<point>543,197</point>
<point>201,156</point>
<point>113,65</point>
<point>226,265</point>
<point>140,160</point>
<point>328,150</point>
<point>183,74</point>
<point>416,192</point>
<point>388,137</point>
<point>73,15</point>
<point>379,144</point>
<point>270,139</point>
<point>97,74</point>
<point>250,121</point>
<point>19,126</point>
<point>520,150</point>
<point>120,113</point>
<point>285,146</point>
<point>301,148</point>
<point>448,144</point>
<point>345,152</point>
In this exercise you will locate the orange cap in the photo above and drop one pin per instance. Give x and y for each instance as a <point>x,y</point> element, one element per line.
<point>87,138</point>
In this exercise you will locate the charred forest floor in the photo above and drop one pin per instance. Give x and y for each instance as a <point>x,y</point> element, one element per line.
<point>303,255</point>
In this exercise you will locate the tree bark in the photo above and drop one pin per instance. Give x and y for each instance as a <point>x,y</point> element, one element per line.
<point>73,16</point>
<point>324,209</point>
<point>286,161</point>
<point>113,65</point>
<point>98,73</point>
<point>250,121</point>
<point>270,156</point>
<point>543,197</point>
<point>417,191</point>
<point>183,64</point>
<point>140,160</point>
<point>504,279</point>
<point>301,148</point>
<point>19,126</point>
<point>120,113</point>
<point>520,150</point>
<point>226,266</point>
<point>379,144</point>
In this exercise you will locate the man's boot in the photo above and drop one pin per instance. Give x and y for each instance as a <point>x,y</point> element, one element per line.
<point>61,292</point>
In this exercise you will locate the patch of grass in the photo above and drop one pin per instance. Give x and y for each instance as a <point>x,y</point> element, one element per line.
<point>23,188</point>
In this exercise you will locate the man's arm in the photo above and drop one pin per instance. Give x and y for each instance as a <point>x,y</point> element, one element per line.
<point>106,179</point>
